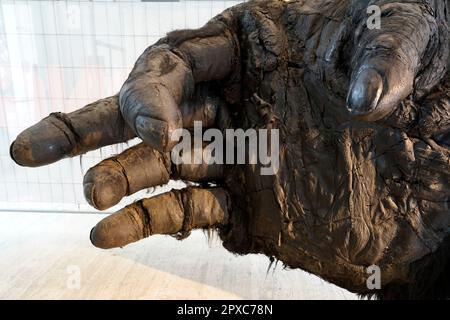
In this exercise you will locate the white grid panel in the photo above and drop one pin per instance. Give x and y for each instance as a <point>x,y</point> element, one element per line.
<point>60,56</point>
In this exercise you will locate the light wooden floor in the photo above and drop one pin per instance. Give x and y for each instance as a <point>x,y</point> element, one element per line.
<point>42,254</point>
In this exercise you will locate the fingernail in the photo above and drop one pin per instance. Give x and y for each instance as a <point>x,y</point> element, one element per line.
<point>104,187</point>
<point>39,145</point>
<point>105,233</point>
<point>152,131</point>
<point>13,151</point>
<point>91,236</point>
<point>116,230</point>
<point>100,236</point>
<point>365,92</point>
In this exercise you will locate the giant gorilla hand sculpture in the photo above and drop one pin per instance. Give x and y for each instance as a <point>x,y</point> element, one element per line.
<point>364,120</point>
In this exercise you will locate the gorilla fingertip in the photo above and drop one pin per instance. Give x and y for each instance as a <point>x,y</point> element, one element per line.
<point>116,230</point>
<point>365,93</point>
<point>153,132</point>
<point>21,152</point>
<point>99,237</point>
<point>15,154</point>
<point>104,187</point>
<point>41,144</point>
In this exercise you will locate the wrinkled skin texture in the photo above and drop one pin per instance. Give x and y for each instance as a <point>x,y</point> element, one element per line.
<point>364,120</point>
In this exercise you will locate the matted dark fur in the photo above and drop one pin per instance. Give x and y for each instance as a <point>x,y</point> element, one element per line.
<point>429,279</point>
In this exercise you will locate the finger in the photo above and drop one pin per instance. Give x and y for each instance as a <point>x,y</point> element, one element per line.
<point>134,169</point>
<point>165,75</point>
<point>138,168</point>
<point>66,135</point>
<point>387,60</point>
<point>174,212</point>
